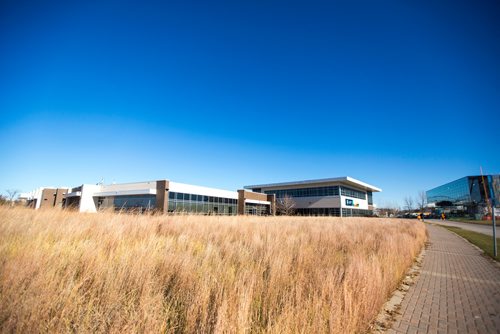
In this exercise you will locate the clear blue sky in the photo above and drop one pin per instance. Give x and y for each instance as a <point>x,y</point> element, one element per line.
<point>400,94</point>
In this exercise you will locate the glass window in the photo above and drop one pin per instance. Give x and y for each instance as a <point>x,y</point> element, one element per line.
<point>257,209</point>
<point>139,202</point>
<point>306,192</point>
<point>352,193</point>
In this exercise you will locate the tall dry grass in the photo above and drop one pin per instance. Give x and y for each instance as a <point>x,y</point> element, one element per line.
<point>69,272</point>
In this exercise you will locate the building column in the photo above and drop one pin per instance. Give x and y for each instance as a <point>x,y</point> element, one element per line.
<point>162,187</point>
<point>272,198</point>
<point>60,193</point>
<point>241,202</point>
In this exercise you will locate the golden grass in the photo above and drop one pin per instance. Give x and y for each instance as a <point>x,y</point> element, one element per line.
<point>69,272</point>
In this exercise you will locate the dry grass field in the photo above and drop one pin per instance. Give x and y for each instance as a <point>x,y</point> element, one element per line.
<point>69,272</point>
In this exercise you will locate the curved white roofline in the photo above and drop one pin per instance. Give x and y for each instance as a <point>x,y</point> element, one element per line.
<point>343,179</point>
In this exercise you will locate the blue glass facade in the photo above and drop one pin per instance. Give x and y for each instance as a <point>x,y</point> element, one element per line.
<point>456,193</point>
<point>468,191</point>
<point>495,182</point>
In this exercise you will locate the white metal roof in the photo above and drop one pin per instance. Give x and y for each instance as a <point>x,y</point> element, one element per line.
<point>198,190</point>
<point>344,179</point>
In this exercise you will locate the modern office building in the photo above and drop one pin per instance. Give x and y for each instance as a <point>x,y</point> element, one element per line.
<point>166,196</point>
<point>341,196</point>
<point>468,195</point>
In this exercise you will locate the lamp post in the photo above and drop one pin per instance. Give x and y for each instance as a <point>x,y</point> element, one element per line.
<point>493,203</point>
<point>494,229</point>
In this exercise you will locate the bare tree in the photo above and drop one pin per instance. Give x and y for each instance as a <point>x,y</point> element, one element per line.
<point>421,200</point>
<point>285,205</point>
<point>12,193</point>
<point>409,203</point>
<point>395,211</point>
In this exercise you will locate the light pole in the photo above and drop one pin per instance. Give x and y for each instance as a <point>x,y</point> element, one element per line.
<point>494,228</point>
<point>493,203</point>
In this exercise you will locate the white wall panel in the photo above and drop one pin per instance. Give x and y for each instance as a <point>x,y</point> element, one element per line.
<point>87,203</point>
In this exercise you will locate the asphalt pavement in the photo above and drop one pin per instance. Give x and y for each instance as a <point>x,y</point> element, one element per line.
<point>484,229</point>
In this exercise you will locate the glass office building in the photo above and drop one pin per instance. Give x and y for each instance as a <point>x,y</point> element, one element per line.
<point>341,196</point>
<point>467,195</point>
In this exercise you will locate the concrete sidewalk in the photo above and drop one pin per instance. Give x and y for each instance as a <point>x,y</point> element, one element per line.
<point>458,290</point>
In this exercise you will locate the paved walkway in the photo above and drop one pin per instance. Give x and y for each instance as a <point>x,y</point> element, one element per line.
<point>484,229</point>
<point>457,291</point>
